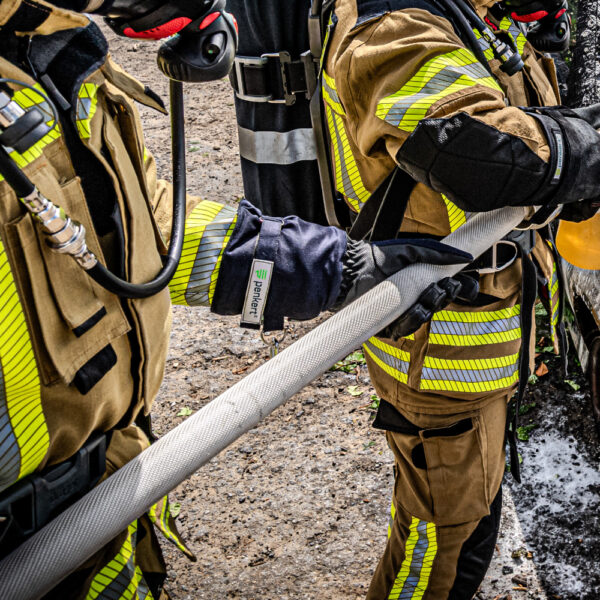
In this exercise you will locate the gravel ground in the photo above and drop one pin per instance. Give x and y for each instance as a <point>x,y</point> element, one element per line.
<point>298,507</point>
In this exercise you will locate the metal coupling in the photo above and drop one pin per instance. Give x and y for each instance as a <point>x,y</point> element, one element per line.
<point>64,235</point>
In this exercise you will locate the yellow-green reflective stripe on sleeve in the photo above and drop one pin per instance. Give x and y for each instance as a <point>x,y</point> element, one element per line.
<point>456,216</point>
<point>207,232</point>
<point>477,328</point>
<point>421,548</point>
<point>330,95</point>
<point>24,436</point>
<point>469,376</point>
<point>347,176</point>
<point>439,77</point>
<point>121,578</point>
<point>392,360</point>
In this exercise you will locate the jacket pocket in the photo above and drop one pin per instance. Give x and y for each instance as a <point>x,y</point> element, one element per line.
<point>455,463</point>
<point>72,326</point>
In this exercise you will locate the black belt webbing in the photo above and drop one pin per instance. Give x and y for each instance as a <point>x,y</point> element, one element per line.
<point>382,215</point>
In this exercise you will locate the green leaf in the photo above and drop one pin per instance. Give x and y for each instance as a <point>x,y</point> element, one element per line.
<point>374,402</point>
<point>525,408</point>
<point>185,412</point>
<point>354,390</point>
<point>540,311</point>
<point>174,509</point>
<point>350,363</point>
<point>548,349</point>
<point>523,432</point>
<point>532,378</point>
<point>368,444</point>
<point>573,384</point>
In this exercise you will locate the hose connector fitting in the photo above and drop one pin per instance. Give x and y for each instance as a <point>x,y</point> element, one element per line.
<point>63,234</point>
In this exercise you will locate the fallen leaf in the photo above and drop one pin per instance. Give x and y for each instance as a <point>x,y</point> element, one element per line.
<point>542,370</point>
<point>174,509</point>
<point>354,390</point>
<point>185,412</point>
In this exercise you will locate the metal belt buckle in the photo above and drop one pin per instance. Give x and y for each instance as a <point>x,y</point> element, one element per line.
<point>284,59</point>
<point>253,61</point>
<point>495,268</point>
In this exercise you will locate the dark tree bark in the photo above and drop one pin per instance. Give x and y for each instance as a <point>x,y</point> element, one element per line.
<point>584,79</point>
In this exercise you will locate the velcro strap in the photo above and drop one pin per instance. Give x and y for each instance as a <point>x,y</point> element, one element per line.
<point>273,77</point>
<point>259,281</point>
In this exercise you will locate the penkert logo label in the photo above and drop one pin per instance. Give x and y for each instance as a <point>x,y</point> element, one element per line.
<point>257,292</point>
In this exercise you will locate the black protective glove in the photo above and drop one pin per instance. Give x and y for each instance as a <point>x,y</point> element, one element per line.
<point>579,165</point>
<point>463,286</point>
<point>156,19</point>
<point>365,265</point>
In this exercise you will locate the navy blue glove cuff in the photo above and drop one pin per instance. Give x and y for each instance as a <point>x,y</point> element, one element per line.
<point>307,270</point>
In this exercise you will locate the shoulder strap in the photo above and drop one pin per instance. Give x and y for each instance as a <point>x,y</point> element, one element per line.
<point>382,215</point>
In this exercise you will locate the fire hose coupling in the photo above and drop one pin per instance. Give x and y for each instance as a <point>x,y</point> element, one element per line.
<point>63,234</point>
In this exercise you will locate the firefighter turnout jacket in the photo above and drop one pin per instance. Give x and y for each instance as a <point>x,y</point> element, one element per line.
<point>401,87</point>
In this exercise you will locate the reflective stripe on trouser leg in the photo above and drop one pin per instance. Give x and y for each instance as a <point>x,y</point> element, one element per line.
<point>121,578</point>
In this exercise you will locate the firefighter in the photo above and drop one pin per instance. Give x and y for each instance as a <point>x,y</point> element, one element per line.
<point>80,365</point>
<point>433,95</point>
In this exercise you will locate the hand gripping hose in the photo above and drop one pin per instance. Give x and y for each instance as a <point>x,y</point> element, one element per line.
<point>56,550</point>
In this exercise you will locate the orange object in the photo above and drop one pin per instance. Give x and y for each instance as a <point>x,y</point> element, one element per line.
<point>579,243</point>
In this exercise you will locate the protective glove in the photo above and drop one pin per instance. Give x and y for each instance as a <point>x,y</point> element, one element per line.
<point>309,268</point>
<point>463,286</point>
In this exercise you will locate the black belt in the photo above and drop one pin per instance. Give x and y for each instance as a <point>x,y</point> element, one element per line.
<point>29,504</point>
<point>274,77</point>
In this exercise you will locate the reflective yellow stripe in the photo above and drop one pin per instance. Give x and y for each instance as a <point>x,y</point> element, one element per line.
<point>160,514</point>
<point>437,78</point>
<point>456,216</point>
<point>330,95</point>
<point>207,232</point>
<point>87,102</point>
<point>420,551</point>
<point>469,376</point>
<point>484,45</point>
<point>395,373</point>
<point>121,578</point>
<point>23,428</point>
<point>347,176</point>
<point>456,328</point>
<point>515,33</point>
<point>27,98</point>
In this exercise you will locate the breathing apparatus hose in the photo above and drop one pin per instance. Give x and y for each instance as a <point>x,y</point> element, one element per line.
<point>30,196</point>
<point>56,550</point>
<point>123,288</point>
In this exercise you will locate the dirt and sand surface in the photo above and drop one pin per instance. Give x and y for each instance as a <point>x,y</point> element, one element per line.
<point>298,507</point>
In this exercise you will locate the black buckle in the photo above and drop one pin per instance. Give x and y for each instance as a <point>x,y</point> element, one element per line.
<point>294,77</point>
<point>32,502</point>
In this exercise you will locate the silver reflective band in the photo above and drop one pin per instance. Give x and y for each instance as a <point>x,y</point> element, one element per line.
<point>275,148</point>
<point>257,292</point>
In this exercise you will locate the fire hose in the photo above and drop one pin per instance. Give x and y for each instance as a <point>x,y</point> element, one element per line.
<point>76,534</point>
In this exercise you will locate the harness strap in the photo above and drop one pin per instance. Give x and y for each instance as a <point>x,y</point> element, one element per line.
<point>274,77</point>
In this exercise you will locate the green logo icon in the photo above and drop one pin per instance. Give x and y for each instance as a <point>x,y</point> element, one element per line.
<point>262,273</point>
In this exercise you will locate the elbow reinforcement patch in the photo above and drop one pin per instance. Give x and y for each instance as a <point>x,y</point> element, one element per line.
<point>475,165</point>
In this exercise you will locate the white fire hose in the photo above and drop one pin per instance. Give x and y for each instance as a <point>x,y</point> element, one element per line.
<point>76,534</point>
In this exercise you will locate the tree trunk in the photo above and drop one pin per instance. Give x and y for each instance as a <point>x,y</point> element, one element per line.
<point>584,79</point>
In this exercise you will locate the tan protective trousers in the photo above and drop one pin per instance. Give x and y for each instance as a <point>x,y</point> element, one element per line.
<point>444,516</point>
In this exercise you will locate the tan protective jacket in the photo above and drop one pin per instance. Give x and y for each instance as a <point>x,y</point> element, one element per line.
<point>387,67</point>
<point>60,331</point>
